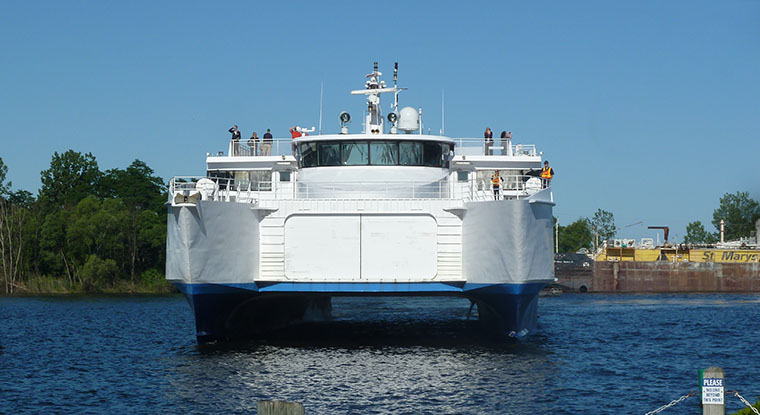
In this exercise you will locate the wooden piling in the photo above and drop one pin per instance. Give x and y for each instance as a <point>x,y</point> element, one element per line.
<point>280,408</point>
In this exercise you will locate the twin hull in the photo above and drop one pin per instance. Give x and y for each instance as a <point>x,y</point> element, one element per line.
<point>245,268</point>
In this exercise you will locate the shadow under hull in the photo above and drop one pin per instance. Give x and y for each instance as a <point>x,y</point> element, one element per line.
<point>244,311</point>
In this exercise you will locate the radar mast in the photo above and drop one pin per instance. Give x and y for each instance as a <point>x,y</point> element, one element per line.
<point>374,122</point>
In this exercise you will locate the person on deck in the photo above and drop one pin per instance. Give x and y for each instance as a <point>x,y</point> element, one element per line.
<point>235,140</point>
<point>253,144</point>
<point>266,144</point>
<point>546,174</point>
<point>496,183</point>
<point>506,143</point>
<point>294,133</point>
<point>488,136</point>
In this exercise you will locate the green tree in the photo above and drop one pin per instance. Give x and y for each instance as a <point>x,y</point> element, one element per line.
<point>71,177</point>
<point>696,234</point>
<point>96,270</point>
<point>54,258</point>
<point>575,236</point>
<point>603,223</point>
<point>739,212</point>
<point>136,186</point>
<point>144,195</point>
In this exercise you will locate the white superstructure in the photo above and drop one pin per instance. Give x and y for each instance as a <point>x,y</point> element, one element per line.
<point>387,211</point>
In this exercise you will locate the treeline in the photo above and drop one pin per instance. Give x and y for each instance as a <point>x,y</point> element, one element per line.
<point>582,233</point>
<point>86,231</point>
<point>738,211</point>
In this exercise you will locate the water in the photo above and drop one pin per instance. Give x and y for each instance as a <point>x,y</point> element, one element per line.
<point>602,354</point>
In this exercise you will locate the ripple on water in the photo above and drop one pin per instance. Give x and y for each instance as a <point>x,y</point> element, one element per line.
<point>612,353</point>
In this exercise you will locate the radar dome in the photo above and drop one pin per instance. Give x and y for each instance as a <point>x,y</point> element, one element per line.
<point>408,120</point>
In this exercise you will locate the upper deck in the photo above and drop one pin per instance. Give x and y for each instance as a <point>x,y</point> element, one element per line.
<point>459,169</point>
<point>246,155</point>
<point>380,163</point>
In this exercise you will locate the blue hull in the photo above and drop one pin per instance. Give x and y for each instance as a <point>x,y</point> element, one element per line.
<point>229,311</point>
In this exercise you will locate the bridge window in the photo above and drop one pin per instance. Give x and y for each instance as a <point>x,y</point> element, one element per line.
<point>432,154</point>
<point>329,154</point>
<point>383,153</point>
<point>308,154</point>
<point>354,153</point>
<point>410,153</point>
<point>375,153</point>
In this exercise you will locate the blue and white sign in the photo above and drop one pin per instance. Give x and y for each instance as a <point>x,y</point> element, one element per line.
<point>712,391</point>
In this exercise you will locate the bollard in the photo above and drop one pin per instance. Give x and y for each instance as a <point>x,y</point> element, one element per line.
<point>713,391</point>
<point>280,408</point>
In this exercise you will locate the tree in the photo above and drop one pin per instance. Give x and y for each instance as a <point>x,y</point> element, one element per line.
<point>13,219</point>
<point>575,236</point>
<point>144,196</point>
<point>603,223</point>
<point>71,177</point>
<point>136,186</point>
<point>696,234</point>
<point>739,212</point>
<point>4,187</point>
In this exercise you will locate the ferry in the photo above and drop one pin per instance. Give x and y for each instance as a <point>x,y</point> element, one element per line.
<point>263,241</point>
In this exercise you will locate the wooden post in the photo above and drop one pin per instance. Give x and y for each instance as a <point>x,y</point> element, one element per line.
<point>713,391</point>
<point>280,408</point>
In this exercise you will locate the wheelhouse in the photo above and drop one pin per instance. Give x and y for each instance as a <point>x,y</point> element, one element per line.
<point>387,150</point>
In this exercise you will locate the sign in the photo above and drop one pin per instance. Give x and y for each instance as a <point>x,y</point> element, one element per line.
<point>725,255</point>
<point>712,391</point>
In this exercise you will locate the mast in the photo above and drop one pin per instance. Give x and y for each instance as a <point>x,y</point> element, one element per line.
<point>373,121</point>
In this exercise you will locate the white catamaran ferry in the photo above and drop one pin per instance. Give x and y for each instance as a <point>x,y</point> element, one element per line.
<point>266,240</point>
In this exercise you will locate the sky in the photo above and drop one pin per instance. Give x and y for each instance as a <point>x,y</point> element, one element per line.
<point>647,109</point>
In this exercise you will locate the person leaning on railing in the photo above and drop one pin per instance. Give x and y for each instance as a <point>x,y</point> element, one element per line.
<point>546,174</point>
<point>295,132</point>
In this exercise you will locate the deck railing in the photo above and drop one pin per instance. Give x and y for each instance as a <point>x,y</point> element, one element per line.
<point>478,146</point>
<point>229,189</point>
<point>464,146</point>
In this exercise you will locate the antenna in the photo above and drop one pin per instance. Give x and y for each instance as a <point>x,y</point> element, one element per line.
<point>395,86</point>
<point>321,93</point>
<point>443,113</point>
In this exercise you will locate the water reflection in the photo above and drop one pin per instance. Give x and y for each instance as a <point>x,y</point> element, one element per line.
<point>396,365</point>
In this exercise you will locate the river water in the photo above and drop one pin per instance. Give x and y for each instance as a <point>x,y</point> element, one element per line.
<point>601,354</point>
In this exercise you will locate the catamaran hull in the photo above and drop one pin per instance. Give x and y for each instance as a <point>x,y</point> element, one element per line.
<point>497,254</point>
<point>224,312</point>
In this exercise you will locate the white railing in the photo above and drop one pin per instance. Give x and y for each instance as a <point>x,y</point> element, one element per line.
<point>464,146</point>
<point>245,191</point>
<point>374,190</point>
<point>247,148</point>
<point>478,146</point>
<point>512,187</point>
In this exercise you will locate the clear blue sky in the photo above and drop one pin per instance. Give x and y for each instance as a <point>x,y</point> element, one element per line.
<point>648,109</point>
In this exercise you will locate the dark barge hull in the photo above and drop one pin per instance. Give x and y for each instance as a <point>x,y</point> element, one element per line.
<point>660,277</point>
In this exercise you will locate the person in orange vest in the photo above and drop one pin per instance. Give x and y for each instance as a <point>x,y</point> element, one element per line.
<point>496,183</point>
<point>546,174</point>
<point>295,132</point>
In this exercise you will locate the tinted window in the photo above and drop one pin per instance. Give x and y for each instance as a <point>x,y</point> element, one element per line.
<point>354,153</point>
<point>383,153</point>
<point>410,153</point>
<point>329,154</point>
<point>308,154</point>
<point>433,154</point>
